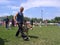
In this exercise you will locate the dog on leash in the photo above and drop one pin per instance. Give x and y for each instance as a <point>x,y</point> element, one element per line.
<point>26,28</point>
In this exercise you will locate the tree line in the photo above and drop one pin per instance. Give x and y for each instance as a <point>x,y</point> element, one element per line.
<point>55,20</point>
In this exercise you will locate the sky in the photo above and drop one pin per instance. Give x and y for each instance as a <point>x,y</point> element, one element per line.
<point>46,9</point>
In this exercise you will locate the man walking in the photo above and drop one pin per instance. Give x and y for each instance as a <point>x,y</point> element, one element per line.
<point>19,18</point>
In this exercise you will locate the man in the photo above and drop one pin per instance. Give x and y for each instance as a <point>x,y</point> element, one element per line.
<point>32,22</point>
<point>19,18</point>
<point>13,23</point>
<point>40,23</point>
<point>7,22</point>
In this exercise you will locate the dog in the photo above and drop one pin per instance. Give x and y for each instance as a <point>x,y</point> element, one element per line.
<point>26,28</point>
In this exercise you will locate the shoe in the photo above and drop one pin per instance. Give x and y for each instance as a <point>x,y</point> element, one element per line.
<point>26,39</point>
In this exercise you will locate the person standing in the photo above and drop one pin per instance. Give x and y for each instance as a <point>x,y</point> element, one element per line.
<point>32,22</point>
<point>13,22</point>
<point>40,24</point>
<point>7,22</point>
<point>19,18</point>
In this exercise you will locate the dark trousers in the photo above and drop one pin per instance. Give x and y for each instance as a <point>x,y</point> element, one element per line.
<point>13,24</point>
<point>7,25</point>
<point>20,30</point>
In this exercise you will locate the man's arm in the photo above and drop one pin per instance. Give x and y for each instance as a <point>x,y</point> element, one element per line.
<point>15,17</point>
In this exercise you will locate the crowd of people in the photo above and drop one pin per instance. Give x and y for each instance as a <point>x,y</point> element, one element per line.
<point>8,23</point>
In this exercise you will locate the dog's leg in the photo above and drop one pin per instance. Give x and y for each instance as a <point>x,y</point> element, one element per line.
<point>27,33</point>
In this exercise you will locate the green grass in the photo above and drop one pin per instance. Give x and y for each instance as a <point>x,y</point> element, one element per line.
<point>38,36</point>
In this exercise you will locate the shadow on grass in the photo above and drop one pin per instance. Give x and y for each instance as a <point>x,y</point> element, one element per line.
<point>33,36</point>
<point>2,41</point>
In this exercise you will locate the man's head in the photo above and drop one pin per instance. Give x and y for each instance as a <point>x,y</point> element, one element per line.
<point>6,16</point>
<point>21,9</point>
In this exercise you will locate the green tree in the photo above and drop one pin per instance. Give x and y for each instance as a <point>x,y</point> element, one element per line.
<point>10,17</point>
<point>26,18</point>
<point>57,19</point>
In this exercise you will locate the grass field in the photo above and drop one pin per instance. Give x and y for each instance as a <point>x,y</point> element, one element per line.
<point>38,36</point>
